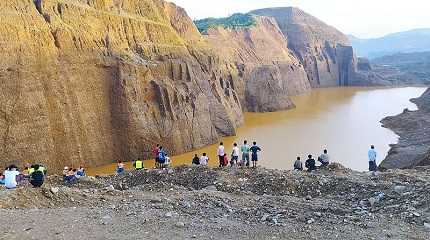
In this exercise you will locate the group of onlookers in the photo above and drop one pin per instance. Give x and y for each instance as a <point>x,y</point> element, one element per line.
<point>35,175</point>
<point>161,157</point>
<point>72,175</point>
<point>324,159</point>
<point>310,163</point>
<point>12,177</point>
<point>247,153</point>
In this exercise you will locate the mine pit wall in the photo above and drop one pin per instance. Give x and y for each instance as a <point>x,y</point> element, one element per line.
<point>95,82</point>
<point>92,82</point>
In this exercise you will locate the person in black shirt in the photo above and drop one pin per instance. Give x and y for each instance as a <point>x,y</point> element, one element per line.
<point>37,177</point>
<point>254,156</point>
<point>310,164</point>
<point>196,160</point>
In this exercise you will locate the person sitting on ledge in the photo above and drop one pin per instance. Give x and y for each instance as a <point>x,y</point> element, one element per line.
<point>138,164</point>
<point>37,177</point>
<point>310,164</point>
<point>324,159</point>
<point>298,165</point>
<point>70,176</point>
<point>196,160</point>
<point>81,171</point>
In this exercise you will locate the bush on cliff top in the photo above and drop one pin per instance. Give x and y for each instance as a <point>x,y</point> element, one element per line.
<point>235,21</point>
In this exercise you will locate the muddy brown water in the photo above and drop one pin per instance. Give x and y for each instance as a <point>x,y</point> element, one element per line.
<point>345,121</point>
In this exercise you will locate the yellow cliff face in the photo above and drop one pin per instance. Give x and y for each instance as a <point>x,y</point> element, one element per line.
<point>91,82</point>
<point>96,81</point>
<point>271,71</point>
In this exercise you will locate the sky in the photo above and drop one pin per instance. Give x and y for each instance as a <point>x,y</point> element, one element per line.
<point>361,18</point>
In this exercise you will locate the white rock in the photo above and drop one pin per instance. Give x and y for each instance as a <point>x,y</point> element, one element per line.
<point>265,217</point>
<point>55,190</point>
<point>310,221</point>
<point>373,201</point>
<point>110,188</point>
<point>180,224</point>
<point>427,227</point>
<point>399,189</point>
<point>168,215</point>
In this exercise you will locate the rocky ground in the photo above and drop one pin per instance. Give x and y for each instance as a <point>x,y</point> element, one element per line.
<point>203,203</point>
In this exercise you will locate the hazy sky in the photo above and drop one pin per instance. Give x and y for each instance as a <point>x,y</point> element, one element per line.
<point>363,18</point>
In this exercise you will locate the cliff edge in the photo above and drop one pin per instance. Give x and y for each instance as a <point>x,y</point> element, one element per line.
<point>413,127</point>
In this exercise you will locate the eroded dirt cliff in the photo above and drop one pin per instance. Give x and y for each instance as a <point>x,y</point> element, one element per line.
<point>97,81</point>
<point>325,52</point>
<point>270,71</point>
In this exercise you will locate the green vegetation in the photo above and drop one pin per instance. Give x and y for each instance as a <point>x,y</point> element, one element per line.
<point>235,21</point>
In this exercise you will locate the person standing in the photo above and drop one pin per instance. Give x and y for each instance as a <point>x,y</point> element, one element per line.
<point>119,168</point>
<point>372,159</point>
<point>324,159</point>
<point>245,153</point>
<point>161,156</point>
<point>10,175</point>
<point>254,154</point>
<point>155,152</point>
<point>235,154</point>
<point>310,164</point>
<point>204,160</point>
<point>221,153</point>
<point>298,165</point>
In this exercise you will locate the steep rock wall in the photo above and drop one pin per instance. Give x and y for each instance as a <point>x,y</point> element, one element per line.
<point>90,82</point>
<point>325,52</point>
<point>271,73</point>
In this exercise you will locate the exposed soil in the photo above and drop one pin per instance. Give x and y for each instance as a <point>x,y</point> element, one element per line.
<point>203,203</point>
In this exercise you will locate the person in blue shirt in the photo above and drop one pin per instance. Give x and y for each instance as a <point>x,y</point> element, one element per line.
<point>162,156</point>
<point>254,154</point>
<point>373,167</point>
<point>120,168</point>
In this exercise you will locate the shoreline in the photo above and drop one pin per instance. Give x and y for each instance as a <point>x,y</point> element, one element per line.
<point>413,129</point>
<point>256,121</point>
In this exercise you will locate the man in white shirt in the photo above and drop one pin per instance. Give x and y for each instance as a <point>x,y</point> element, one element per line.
<point>372,159</point>
<point>235,154</point>
<point>221,154</point>
<point>10,175</point>
<point>324,158</point>
<point>204,160</point>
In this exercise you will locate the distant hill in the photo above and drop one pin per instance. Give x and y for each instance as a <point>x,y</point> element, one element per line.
<point>410,68</point>
<point>417,40</point>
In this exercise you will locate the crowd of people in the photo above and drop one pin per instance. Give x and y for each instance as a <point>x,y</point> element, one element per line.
<point>324,159</point>
<point>310,163</point>
<point>242,157</point>
<point>245,156</point>
<point>162,160</point>
<point>72,175</point>
<point>33,174</point>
